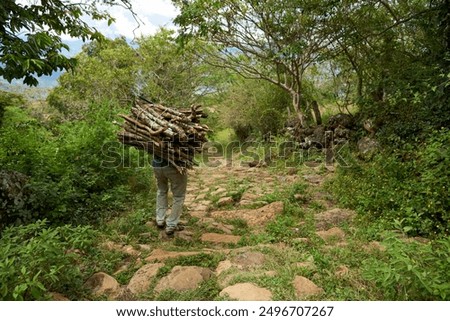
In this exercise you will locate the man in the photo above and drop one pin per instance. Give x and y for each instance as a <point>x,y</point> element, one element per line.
<point>165,174</point>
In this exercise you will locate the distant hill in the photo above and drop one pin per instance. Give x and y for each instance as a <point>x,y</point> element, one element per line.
<point>45,82</point>
<point>49,81</point>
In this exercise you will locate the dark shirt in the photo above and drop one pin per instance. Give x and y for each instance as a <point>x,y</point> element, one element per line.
<point>159,162</point>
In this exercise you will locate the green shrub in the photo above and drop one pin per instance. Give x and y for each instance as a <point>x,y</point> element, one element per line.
<point>8,99</point>
<point>408,188</point>
<point>264,111</point>
<point>37,259</point>
<point>412,270</point>
<point>78,172</point>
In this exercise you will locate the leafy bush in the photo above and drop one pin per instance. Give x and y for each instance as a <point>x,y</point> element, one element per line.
<point>412,270</point>
<point>407,187</point>
<point>8,99</point>
<point>77,171</point>
<point>256,106</point>
<point>37,259</point>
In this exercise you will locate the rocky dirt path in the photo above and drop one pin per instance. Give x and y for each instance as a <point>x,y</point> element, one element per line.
<point>227,210</point>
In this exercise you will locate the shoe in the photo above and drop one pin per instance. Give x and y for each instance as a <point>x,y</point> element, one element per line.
<point>161,225</point>
<point>170,230</point>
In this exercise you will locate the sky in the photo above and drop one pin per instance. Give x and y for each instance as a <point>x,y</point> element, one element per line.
<point>151,15</point>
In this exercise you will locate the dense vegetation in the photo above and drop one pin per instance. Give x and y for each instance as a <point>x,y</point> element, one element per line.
<point>258,66</point>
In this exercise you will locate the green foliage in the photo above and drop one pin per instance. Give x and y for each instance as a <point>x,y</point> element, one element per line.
<point>403,86</point>
<point>157,69</point>
<point>8,99</point>
<point>412,270</point>
<point>77,172</point>
<point>282,228</point>
<point>37,259</point>
<point>172,75</point>
<point>133,225</point>
<point>30,36</point>
<point>273,40</point>
<point>105,71</point>
<point>409,187</point>
<point>254,106</point>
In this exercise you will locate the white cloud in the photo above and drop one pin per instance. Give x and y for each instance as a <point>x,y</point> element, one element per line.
<point>151,14</point>
<point>161,7</point>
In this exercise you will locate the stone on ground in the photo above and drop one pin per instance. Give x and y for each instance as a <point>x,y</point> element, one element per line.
<point>248,259</point>
<point>313,179</point>
<point>141,280</point>
<point>58,296</point>
<point>220,238</point>
<point>305,287</point>
<point>183,278</point>
<point>223,266</point>
<point>246,292</point>
<point>253,217</point>
<point>103,284</point>
<point>333,217</point>
<point>224,201</point>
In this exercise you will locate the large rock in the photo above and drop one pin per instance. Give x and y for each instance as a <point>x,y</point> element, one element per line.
<point>219,191</point>
<point>220,238</point>
<point>141,280</point>
<point>333,217</point>
<point>314,179</point>
<point>224,201</point>
<point>367,147</point>
<point>253,217</point>
<point>55,296</point>
<point>183,278</point>
<point>246,292</point>
<point>319,136</point>
<point>223,266</point>
<point>342,120</point>
<point>305,287</point>
<point>248,259</point>
<point>103,284</point>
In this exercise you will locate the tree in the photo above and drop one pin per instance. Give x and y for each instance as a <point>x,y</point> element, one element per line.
<point>264,103</point>
<point>30,34</point>
<point>115,71</point>
<point>273,40</point>
<point>174,76</point>
<point>105,70</point>
<point>398,52</point>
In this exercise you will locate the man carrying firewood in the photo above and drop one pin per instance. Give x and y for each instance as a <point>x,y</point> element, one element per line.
<point>173,137</point>
<point>167,174</point>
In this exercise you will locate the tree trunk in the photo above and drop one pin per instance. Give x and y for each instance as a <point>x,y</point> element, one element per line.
<point>317,116</point>
<point>297,108</point>
<point>360,85</point>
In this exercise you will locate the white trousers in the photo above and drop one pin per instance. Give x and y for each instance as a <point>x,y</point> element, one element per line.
<point>178,183</point>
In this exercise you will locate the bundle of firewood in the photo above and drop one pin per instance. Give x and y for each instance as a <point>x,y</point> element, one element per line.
<point>170,134</point>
